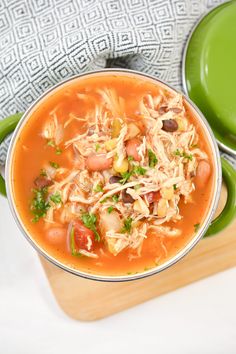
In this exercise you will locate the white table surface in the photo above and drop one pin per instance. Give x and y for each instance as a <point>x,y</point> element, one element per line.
<point>200,318</point>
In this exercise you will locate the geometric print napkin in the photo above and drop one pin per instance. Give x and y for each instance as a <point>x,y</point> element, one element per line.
<point>43,42</point>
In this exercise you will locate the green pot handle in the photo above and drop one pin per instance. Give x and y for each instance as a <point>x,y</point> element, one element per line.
<point>6,127</point>
<point>229,211</point>
<point>229,175</point>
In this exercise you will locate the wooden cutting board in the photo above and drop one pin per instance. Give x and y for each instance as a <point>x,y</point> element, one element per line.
<point>88,300</point>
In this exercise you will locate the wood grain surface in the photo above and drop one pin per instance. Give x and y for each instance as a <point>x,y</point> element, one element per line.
<point>88,300</point>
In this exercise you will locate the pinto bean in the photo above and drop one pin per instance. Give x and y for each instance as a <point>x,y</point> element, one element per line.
<point>176,110</point>
<point>131,148</point>
<point>162,109</point>
<point>42,182</point>
<point>170,125</point>
<point>98,162</point>
<point>56,235</point>
<point>126,197</point>
<point>203,173</point>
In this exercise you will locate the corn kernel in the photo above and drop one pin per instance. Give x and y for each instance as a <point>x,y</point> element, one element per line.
<point>162,207</point>
<point>141,207</point>
<point>116,128</point>
<point>137,206</point>
<point>132,131</point>
<point>167,193</point>
<point>182,123</point>
<point>110,144</point>
<point>121,167</point>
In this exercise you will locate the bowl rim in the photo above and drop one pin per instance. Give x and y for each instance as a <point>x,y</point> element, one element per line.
<point>128,277</point>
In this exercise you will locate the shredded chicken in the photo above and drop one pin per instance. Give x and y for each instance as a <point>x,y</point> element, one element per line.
<point>161,167</point>
<point>88,254</point>
<point>166,230</point>
<point>53,130</point>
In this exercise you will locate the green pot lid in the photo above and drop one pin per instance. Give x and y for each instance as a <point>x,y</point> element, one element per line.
<point>209,71</point>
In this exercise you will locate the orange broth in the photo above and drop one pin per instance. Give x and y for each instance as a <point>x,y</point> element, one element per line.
<point>31,152</point>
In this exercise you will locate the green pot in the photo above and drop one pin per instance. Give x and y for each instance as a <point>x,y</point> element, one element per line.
<point>209,71</point>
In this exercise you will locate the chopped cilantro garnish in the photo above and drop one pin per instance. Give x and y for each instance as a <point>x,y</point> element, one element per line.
<point>97,146</point>
<point>98,188</point>
<point>130,158</point>
<point>183,154</point>
<point>196,227</point>
<point>58,151</point>
<point>190,156</point>
<point>56,198</point>
<point>138,170</point>
<point>39,205</point>
<point>54,164</point>
<point>110,209</point>
<point>178,153</point>
<point>115,198</point>
<point>74,252</point>
<point>152,158</point>
<point>175,187</point>
<point>125,177</point>
<point>43,173</point>
<point>103,201</point>
<point>127,225</point>
<point>72,242</point>
<point>89,221</point>
<point>51,143</point>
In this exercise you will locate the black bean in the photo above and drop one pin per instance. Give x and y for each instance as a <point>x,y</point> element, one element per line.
<point>170,125</point>
<point>126,197</point>
<point>114,179</point>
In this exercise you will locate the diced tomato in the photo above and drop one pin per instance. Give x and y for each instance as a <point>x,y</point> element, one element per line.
<point>153,197</point>
<point>42,182</point>
<point>132,146</point>
<point>84,237</point>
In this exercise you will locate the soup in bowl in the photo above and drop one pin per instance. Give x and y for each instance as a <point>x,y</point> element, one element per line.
<point>113,175</point>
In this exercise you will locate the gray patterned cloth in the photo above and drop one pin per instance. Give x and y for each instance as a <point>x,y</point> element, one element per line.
<point>45,41</point>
